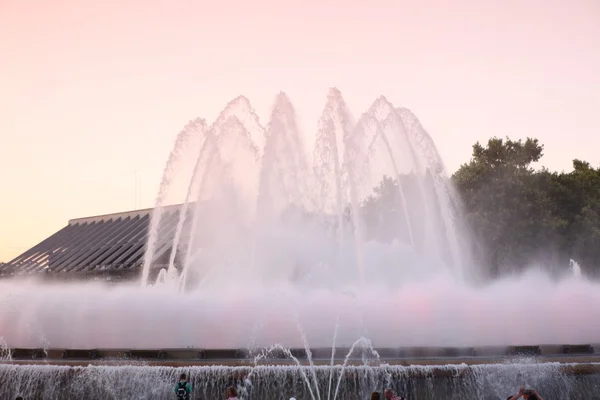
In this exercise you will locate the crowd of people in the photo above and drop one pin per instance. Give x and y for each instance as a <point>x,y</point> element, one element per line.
<point>183,390</point>
<point>527,394</point>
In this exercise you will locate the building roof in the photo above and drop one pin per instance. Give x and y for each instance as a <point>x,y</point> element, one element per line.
<point>106,242</point>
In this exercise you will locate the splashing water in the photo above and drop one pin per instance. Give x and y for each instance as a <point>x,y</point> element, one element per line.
<point>5,354</point>
<point>365,344</point>
<point>575,269</point>
<point>257,214</point>
<point>373,213</point>
<point>451,382</point>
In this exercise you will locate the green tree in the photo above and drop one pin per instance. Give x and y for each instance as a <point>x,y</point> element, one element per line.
<point>383,206</point>
<point>518,214</point>
<point>506,203</point>
<point>576,197</point>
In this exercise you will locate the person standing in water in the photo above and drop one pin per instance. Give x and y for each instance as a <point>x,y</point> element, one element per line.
<point>183,389</point>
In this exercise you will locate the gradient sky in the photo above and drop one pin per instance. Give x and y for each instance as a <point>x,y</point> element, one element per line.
<point>91,91</point>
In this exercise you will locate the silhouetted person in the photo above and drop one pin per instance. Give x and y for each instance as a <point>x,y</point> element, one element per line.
<point>19,398</point>
<point>183,389</point>
<point>232,393</point>
<point>389,395</point>
<point>375,396</point>
<point>527,394</point>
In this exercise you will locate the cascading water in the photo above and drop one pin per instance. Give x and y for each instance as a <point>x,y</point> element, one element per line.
<point>458,382</point>
<point>188,139</point>
<point>4,351</point>
<point>265,250</point>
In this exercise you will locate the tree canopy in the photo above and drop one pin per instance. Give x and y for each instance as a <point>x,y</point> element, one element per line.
<point>523,215</point>
<point>517,214</point>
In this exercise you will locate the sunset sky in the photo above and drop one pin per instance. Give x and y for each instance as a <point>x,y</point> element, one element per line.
<point>93,91</point>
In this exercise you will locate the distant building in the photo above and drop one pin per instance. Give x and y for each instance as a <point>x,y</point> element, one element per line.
<point>108,247</point>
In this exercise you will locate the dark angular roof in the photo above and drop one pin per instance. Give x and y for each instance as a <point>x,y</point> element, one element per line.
<point>106,242</point>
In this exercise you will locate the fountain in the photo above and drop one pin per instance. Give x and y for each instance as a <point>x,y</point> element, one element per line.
<point>377,181</point>
<point>365,248</point>
<point>575,269</point>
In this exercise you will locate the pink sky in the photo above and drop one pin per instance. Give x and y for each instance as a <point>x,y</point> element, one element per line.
<point>91,91</point>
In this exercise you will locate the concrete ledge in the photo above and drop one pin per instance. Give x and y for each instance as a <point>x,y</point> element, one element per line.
<point>28,353</point>
<point>524,351</point>
<point>245,356</point>
<point>578,349</point>
<point>221,354</point>
<point>146,354</point>
<point>414,369</point>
